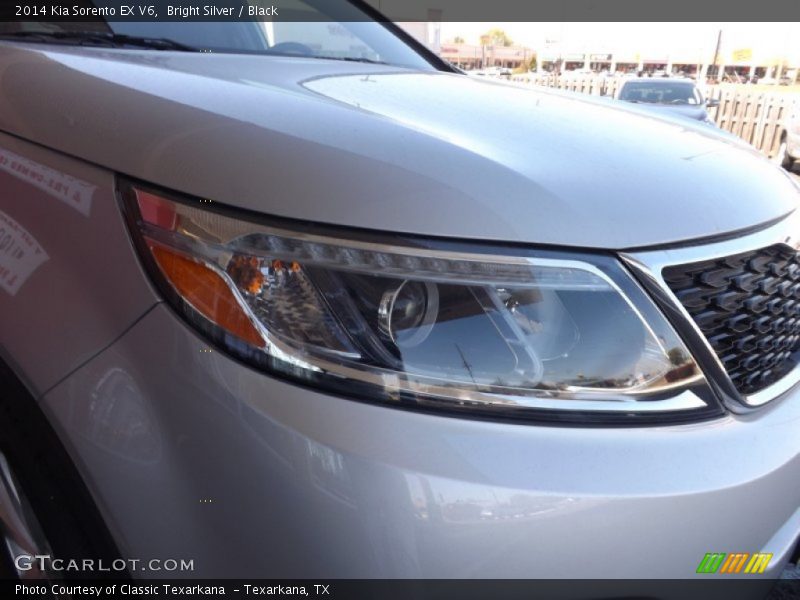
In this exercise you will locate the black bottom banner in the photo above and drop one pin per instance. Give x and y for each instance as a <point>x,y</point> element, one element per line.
<point>433,589</point>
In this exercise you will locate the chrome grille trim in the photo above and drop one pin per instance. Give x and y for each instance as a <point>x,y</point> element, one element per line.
<point>650,264</point>
<point>748,307</point>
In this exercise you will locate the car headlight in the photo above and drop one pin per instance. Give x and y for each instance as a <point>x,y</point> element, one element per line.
<point>482,329</point>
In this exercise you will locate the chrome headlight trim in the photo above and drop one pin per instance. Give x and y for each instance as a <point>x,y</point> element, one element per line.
<point>690,399</point>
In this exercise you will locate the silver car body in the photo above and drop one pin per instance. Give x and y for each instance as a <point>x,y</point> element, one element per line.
<point>190,454</point>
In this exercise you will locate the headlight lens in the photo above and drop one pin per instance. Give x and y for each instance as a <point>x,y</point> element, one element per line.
<point>415,322</point>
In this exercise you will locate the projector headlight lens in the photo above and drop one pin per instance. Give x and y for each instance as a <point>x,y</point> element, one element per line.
<point>435,324</point>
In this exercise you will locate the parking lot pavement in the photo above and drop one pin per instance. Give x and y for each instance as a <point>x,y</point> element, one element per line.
<point>791,572</point>
<point>782,592</point>
<point>795,172</point>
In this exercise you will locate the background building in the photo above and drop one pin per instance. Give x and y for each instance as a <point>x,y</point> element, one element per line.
<point>763,50</point>
<point>476,56</point>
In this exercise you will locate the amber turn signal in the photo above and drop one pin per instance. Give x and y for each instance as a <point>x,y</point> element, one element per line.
<point>207,292</point>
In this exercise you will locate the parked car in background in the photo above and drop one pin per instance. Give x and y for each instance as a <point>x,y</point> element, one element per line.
<point>678,96</point>
<point>503,72</point>
<point>499,72</point>
<point>789,148</point>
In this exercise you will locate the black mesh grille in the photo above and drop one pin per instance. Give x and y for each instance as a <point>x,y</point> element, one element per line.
<point>748,306</point>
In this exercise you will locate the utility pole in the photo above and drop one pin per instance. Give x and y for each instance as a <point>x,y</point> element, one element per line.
<point>716,55</point>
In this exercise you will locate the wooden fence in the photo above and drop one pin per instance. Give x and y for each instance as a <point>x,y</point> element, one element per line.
<point>756,116</point>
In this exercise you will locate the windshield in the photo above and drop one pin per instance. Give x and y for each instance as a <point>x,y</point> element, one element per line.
<point>660,92</point>
<point>325,29</point>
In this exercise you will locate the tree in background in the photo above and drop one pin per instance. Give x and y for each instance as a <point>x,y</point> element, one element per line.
<point>458,40</point>
<point>526,66</point>
<point>499,37</point>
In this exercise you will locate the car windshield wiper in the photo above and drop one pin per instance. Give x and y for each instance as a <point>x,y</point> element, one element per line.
<point>101,38</point>
<point>362,60</point>
<point>368,61</point>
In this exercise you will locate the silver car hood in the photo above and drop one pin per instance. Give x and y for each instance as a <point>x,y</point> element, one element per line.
<point>389,149</point>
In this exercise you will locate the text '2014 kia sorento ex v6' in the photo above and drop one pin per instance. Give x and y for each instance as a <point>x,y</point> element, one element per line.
<point>299,300</point>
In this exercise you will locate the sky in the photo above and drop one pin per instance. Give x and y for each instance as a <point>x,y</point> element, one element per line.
<point>767,38</point>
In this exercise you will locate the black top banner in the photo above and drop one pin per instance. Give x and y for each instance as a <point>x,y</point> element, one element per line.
<point>403,10</point>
